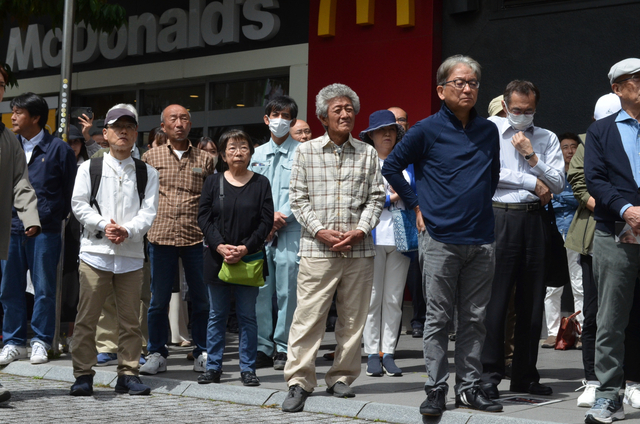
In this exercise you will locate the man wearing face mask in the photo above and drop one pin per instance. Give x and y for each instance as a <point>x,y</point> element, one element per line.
<point>531,168</point>
<point>273,160</point>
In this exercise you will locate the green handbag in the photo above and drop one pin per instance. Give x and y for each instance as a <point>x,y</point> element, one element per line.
<point>248,271</point>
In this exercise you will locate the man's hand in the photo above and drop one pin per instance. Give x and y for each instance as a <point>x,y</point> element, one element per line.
<point>542,191</point>
<point>32,231</point>
<point>279,220</point>
<point>523,146</point>
<point>349,239</point>
<point>632,216</point>
<point>115,233</point>
<point>419,221</point>
<point>591,204</point>
<point>329,237</point>
<point>86,123</point>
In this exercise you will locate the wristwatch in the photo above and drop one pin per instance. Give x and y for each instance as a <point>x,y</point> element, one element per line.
<point>529,156</point>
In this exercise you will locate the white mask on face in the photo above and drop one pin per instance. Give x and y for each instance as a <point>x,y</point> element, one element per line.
<point>519,122</point>
<point>279,127</point>
<point>215,160</point>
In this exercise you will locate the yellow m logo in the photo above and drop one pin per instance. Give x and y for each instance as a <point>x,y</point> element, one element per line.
<point>405,15</point>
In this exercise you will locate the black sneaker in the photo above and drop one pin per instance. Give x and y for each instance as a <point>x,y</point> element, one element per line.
<point>263,360</point>
<point>249,378</point>
<point>280,361</point>
<point>131,384</point>
<point>476,398</point>
<point>341,390</point>
<point>435,403</point>
<point>83,386</point>
<point>210,376</point>
<point>294,402</point>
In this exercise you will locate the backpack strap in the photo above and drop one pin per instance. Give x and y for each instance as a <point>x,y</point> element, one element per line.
<point>95,172</point>
<point>141,177</point>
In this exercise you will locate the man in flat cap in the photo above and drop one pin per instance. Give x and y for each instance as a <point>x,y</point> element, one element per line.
<point>612,171</point>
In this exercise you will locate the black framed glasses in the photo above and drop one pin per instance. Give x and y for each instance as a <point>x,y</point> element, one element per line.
<point>459,84</point>
<point>119,126</point>
<point>635,78</point>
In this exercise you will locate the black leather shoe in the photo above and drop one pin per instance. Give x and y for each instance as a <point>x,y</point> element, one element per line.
<point>83,386</point>
<point>435,403</point>
<point>417,333</point>
<point>341,389</point>
<point>263,360</point>
<point>491,390</point>
<point>534,388</point>
<point>210,376</point>
<point>249,378</point>
<point>295,399</point>
<point>476,398</point>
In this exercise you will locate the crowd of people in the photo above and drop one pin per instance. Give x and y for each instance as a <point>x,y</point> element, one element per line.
<point>321,223</point>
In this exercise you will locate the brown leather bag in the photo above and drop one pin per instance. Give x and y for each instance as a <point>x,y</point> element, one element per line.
<point>569,332</point>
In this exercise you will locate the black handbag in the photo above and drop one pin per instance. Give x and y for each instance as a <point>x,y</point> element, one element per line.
<point>556,265</point>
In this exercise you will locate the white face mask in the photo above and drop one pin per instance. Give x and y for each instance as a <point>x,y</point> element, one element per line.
<point>215,160</point>
<point>519,122</point>
<point>279,127</point>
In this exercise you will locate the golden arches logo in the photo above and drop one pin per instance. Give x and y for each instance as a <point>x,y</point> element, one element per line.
<point>405,15</point>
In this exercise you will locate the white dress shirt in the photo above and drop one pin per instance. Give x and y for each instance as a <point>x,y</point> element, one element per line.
<point>517,178</point>
<point>29,145</point>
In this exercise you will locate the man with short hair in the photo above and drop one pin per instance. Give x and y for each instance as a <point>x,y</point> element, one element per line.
<point>402,118</point>
<point>274,160</point>
<point>337,195</point>
<point>531,170</point>
<point>175,234</point>
<point>115,219</point>
<point>52,171</point>
<point>300,131</point>
<point>612,172</point>
<point>15,192</point>
<point>456,159</point>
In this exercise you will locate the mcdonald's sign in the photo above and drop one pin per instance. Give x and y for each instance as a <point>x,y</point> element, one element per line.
<point>405,15</point>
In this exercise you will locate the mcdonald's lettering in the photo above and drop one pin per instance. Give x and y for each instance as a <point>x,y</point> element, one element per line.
<point>405,15</point>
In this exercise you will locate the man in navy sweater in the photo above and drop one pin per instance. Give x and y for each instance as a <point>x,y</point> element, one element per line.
<point>457,163</point>
<point>612,171</point>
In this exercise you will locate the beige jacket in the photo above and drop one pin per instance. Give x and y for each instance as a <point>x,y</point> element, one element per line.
<point>15,189</point>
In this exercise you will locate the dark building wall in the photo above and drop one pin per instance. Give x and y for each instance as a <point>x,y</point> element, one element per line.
<point>563,47</point>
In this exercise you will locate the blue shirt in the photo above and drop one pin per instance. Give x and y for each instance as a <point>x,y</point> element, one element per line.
<point>564,207</point>
<point>274,162</point>
<point>629,130</point>
<point>457,171</point>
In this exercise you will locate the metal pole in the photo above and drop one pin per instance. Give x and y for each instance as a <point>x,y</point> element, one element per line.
<point>63,130</point>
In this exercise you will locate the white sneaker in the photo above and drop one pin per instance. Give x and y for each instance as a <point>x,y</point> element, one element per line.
<point>632,395</point>
<point>155,363</point>
<point>39,353</point>
<point>12,353</point>
<point>200,363</point>
<point>588,398</point>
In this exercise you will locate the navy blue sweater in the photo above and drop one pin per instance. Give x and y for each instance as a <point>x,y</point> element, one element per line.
<point>608,173</point>
<point>52,173</point>
<point>457,171</point>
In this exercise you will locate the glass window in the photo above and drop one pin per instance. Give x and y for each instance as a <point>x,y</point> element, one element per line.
<point>247,93</point>
<point>155,100</point>
<point>259,133</point>
<point>101,103</point>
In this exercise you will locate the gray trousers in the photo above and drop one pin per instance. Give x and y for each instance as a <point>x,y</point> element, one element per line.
<point>616,266</point>
<point>461,276</point>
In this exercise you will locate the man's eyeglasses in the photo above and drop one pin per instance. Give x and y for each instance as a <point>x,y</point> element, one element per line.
<point>119,127</point>
<point>459,84</point>
<point>635,78</point>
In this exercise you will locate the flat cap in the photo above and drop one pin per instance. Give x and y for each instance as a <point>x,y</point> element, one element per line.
<point>624,67</point>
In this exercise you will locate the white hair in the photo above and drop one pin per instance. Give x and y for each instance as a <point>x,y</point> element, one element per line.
<point>451,62</point>
<point>331,92</point>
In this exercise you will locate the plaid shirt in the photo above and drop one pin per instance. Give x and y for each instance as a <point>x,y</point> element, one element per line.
<point>176,223</point>
<point>336,188</point>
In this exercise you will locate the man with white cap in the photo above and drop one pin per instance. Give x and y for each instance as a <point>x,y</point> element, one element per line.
<point>115,217</point>
<point>612,171</point>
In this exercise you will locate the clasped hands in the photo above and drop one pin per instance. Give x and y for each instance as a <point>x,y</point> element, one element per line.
<point>115,233</point>
<point>340,242</point>
<point>231,254</point>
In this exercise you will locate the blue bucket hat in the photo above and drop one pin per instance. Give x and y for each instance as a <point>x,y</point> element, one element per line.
<point>381,119</point>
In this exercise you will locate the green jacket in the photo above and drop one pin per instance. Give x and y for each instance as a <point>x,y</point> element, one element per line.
<point>583,226</point>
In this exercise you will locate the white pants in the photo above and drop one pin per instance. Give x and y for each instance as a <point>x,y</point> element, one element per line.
<point>390,269</point>
<point>552,299</point>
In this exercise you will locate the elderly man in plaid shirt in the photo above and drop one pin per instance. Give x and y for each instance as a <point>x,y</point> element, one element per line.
<point>336,194</point>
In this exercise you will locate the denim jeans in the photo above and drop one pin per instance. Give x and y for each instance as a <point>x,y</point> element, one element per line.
<point>219,301</point>
<point>40,255</point>
<point>164,271</point>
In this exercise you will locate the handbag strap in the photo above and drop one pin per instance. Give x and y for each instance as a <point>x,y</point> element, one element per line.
<point>221,200</point>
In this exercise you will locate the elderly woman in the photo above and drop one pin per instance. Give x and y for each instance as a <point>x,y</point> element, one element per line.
<point>390,267</point>
<point>248,218</point>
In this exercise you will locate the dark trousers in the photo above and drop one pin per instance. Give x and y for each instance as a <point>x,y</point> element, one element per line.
<point>414,283</point>
<point>520,249</point>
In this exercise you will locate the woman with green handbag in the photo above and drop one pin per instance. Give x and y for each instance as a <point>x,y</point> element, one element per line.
<point>236,215</point>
